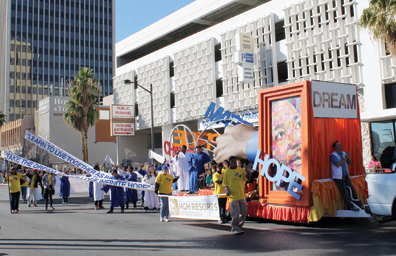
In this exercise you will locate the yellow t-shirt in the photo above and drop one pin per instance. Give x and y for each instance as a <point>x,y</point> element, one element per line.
<point>15,185</point>
<point>234,179</point>
<point>25,184</point>
<point>32,182</point>
<point>165,183</point>
<point>219,188</point>
<point>49,180</point>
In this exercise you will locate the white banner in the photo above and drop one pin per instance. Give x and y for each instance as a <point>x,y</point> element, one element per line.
<point>118,183</point>
<point>60,153</point>
<point>194,207</point>
<point>334,100</point>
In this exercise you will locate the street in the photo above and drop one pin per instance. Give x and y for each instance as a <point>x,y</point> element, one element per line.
<point>78,229</point>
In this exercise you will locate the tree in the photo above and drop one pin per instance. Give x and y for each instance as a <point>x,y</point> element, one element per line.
<point>379,20</point>
<point>2,119</point>
<point>81,113</point>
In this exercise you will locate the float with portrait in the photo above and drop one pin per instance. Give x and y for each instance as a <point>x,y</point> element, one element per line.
<point>291,147</point>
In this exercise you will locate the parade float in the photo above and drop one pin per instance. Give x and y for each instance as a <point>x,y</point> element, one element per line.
<point>298,123</point>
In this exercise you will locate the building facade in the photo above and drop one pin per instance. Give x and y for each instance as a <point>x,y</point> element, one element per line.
<point>44,43</point>
<point>292,41</point>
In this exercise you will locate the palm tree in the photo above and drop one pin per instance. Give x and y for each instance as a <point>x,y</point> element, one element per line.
<point>2,118</point>
<point>379,20</point>
<point>81,113</point>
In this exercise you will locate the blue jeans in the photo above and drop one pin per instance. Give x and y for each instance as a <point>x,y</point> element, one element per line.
<point>165,205</point>
<point>23,190</point>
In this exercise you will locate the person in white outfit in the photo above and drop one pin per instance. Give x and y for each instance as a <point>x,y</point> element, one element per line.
<point>98,192</point>
<point>181,160</point>
<point>150,199</point>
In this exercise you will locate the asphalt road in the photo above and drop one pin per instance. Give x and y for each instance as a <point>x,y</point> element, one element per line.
<point>77,229</point>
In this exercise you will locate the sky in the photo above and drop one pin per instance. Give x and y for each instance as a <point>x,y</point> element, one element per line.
<point>134,15</point>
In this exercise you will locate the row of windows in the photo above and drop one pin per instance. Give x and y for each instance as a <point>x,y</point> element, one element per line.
<point>55,74</point>
<point>74,7</point>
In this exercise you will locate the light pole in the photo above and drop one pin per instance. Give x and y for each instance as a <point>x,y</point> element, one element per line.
<point>152,111</point>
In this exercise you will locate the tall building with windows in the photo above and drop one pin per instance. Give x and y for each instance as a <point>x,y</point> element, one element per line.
<point>45,42</point>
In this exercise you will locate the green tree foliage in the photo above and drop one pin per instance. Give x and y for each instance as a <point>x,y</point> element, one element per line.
<point>81,113</point>
<point>2,119</point>
<point>379,20</point>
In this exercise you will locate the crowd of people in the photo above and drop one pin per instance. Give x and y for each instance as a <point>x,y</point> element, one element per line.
<point>190,172</point>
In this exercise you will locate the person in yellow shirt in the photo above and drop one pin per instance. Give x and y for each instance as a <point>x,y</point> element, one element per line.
<point>24,186</point>
<point>49,182</point>
<point>163,186</point>
<point>233,182</point>
<point>15,188</point>
<point>219,190</point>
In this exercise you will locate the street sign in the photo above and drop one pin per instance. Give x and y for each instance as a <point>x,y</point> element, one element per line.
<point>122,120</point>
<point>123,111</point>
<point>123,129</point>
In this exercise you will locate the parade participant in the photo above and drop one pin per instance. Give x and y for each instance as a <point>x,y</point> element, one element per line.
<point>64,191</point>
<point>143,170</point>
<point>226,164</point>
<point>117,193</point>
<point>151,200</point>
<point>219,190</point>
<point>339,171</point>
<point>98,193</point>
<point>196,166</point>
<point>15,188</point>
<point>209,179</point>
<point>130,194</point>
<point>49,182</point>
<point>233,182</point>
<point>163,186</point>
<point>34,180</point>
<point>181,161</point>
<point>24,186</point>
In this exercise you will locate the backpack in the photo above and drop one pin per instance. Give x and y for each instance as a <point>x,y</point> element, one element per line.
<point>387,157</point>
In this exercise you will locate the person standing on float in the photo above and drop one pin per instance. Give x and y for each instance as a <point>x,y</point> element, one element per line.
<point>196,166</point>
<point>182,168</point>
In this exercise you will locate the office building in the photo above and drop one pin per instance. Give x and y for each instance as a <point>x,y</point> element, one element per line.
<point>44,43</point>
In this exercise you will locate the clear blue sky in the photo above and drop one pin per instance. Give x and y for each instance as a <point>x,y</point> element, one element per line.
<point>134,15</point>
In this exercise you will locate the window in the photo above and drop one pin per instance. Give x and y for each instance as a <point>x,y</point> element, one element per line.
<point>280,31</point>
<point>390,95</point>
<point>219,88</point>
<point>217,52</point>
<point>382,136</point>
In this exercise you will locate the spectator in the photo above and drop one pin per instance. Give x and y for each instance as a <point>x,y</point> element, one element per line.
<point>49,182</point>
<point>151,200</point>
<point>64,191</point>
<point>163,186</point>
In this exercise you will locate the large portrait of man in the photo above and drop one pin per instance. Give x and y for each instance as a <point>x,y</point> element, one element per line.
<point>286,134</point>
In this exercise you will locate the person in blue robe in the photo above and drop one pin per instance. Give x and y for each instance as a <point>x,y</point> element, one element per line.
<point>130,194</point>
<point>143,172</point>
<point>64,191</point>
<point>196,166</point>
<point>117,195</point>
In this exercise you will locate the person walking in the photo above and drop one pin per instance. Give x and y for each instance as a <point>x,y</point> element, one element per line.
<point>34,180</point>
<point>219,190</point>
<point>117,195</point>
<point>151,200</point>
<point>98,193</point>
<point>233,182</point>
<point>163,187</point>
<point>14,179</point>
<point>131,194</point>
<point>49,181</point>
<point>64,191</point>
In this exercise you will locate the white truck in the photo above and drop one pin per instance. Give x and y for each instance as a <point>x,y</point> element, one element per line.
<point>382,196</point>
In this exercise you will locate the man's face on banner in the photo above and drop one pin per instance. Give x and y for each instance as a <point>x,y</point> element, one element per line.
<point>286,132</point>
